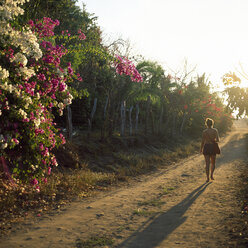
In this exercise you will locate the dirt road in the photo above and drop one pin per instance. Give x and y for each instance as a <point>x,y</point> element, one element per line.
<point>173,207</point>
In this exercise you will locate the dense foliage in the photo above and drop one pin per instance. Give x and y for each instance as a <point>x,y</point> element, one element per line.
<point>34,76</point>
<point>32,84</point>
<point>236,96</point>
<point>43,52</point>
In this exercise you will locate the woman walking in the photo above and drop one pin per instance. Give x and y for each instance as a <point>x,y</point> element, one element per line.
<point>209,136</point>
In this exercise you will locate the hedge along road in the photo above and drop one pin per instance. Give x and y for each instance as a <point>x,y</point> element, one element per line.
<point>172,207</point>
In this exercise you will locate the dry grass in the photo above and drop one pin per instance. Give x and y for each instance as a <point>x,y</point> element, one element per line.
<point>142,212</point>
<point>83,177</point>
<point>132,164</point>
<point>152,202</point>
<point>96,241</point>
<point>61,188</point>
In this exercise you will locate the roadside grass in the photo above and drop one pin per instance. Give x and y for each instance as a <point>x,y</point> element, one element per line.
<point>167,190</point>
<point>80,175</point>
<point>132,164</point>
<point>142,212</point>
<point>18,203</point>
<point>96,241</point>
<point>152,202</point>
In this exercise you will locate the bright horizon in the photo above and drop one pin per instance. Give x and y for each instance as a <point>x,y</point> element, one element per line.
<point>210,34</point>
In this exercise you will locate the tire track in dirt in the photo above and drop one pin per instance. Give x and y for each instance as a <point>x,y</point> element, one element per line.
<point>170,208</point>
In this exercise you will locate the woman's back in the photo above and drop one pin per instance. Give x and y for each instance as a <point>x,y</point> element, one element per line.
<point>210,135</point>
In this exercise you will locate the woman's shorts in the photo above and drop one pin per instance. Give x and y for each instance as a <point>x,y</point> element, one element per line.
<point>208,149</point>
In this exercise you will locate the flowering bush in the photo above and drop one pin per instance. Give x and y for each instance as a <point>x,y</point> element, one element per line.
<point>32,83</point>
<point>125,66</point>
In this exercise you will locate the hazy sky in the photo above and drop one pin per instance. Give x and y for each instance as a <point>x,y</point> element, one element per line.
<point>211,34</point>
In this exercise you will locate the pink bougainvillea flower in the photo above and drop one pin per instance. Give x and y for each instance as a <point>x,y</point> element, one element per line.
<point>125,66</point>
<point>81,35</point>
<point>41,146</point>
<point>37,188</point>
<point>34,181</point>
<point>41,77</point>
<point>49,170</point>
<point>16,140</point>
<point>62,138</point>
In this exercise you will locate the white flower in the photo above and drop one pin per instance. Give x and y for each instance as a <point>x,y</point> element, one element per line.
<point>3,73</point>
<point>24,40</point>
<point>28,101</point>
<point>38,95</point>
<point>22,113</point>
<point>4,145</point>
<point>26,72</point>
<point>61,105</point>
<point>20,58</point>
<point>17,92</point>
<point>37,122</point>
<point>68,100</point>
<point>7,87</point>
<point>60,112</point>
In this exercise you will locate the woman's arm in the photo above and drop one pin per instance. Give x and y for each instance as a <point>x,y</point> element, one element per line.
<point>217,139</point>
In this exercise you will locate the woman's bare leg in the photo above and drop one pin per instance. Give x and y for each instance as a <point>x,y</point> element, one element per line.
<point>207,160</point>
<point>212,158</point>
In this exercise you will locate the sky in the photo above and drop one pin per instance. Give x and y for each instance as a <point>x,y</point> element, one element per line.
<point>210,34</point>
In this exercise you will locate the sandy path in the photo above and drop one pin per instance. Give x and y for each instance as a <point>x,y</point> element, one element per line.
<point>170,208</point>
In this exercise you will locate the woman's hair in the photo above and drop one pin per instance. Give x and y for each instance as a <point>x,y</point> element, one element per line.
<point>209,122</point>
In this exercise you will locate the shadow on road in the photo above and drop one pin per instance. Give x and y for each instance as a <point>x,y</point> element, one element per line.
<point>233,150</point>
<point>151,234</point>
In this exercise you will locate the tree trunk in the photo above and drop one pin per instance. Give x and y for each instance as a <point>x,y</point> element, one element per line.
<point>130,121</point>
<point>174,125</point>
<point>148,103</point>
<point>105,108</point>
<point>92,116</point>
<point>137,118</point>
<point>5,169</point>
<point>152,119</point>
<point>69,123</point>
<point>183,122</point>
<point>123,117</point>
<point>111,118</point>
<point>160,119</point>
<point>116,117</point>
<point>104,118</point>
